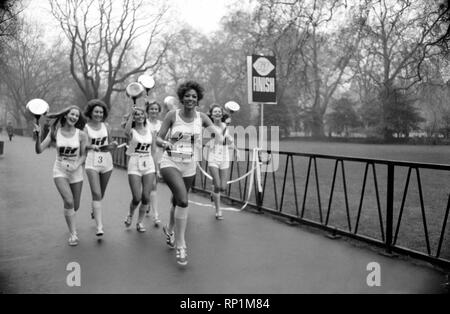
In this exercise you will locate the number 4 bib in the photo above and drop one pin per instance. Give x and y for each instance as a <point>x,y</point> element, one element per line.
<point>144,163</point>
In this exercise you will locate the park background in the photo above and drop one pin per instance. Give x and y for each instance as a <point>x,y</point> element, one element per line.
<point>353,70</point>
<point>354,77</point>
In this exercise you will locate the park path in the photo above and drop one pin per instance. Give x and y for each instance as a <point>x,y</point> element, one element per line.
<point>244,254</point>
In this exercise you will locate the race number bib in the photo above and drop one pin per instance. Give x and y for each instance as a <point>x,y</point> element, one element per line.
<point>144,163</point>
<point>183,152</point>
<point>99,159</point>
<point>219,151</point>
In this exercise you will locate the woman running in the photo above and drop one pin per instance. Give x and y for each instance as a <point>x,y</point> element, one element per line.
<point>178,163</point>
<point>99,164</point>
<point>219,156</point>
<point>66,132</point>
<point>153,110</point>
<point>141,168</point>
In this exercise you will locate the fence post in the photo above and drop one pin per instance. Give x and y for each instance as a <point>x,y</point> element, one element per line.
<point>259,202</point>
<point>390,208</point>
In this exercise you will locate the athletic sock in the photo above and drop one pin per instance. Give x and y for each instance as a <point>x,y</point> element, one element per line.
<point>142,210</point>
<point>69,214</point>
<point>181,215</point>
<point>97,208</point>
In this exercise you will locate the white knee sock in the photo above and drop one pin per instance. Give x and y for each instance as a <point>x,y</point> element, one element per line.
<point>142,210</point>
<point>153,204</point>
<point>181,215</point>
<point>97,208</point>
<point>171,225</point>
<point>69,214</point>
<point>216,198</point>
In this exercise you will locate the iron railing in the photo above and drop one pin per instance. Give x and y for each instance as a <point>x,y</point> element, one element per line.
<point>369,227</point>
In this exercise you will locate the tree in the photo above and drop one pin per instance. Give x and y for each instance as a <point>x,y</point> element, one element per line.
<point>9,11</point>
<point>445,124</point>
<point>393,49</point>
<point>319,56</point>
<point>103,43</point>
<point>30,69</point>
<point>402,116</point>
<point>343,116</point>
<point>371,113</point>
<point>185,56</point>
<point>217,61</point>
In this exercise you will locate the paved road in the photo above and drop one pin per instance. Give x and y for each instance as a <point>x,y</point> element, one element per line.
<point>244,254</point>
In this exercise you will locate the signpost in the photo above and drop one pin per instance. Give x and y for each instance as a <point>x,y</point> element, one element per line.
<point>262,89</point>
<point>262,84</point>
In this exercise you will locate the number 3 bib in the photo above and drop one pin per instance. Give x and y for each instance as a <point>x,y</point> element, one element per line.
<point>99,159</point>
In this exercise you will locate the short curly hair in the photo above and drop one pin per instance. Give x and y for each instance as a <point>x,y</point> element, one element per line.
<point>185,87</point>
<point>94,103</point>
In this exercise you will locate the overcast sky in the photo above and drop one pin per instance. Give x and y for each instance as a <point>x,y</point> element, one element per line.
<point>203,15</point>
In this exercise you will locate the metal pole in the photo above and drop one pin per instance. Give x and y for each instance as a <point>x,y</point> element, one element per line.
<point>261,128</point>
<point>390,208</point>
<point>261,139</point>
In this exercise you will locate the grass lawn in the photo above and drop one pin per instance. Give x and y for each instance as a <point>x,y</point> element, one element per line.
<point>435,189</point>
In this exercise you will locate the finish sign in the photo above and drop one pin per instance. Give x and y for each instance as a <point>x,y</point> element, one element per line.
<point>261,72</point>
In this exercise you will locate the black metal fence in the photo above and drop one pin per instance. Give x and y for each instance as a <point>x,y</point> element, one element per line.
<point>387,211</point>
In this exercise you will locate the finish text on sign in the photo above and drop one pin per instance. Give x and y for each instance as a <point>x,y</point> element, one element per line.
<point>264,84</point>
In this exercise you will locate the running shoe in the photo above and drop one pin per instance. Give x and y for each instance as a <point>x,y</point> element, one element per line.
<point>73,240</point>
<point>181,256</point>
<point>128,221</point>
<point>170,237</point>
<point>140,227</point>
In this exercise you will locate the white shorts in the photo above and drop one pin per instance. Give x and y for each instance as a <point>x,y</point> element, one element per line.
<point>187,169</point>
<point>100,162</point>
<point>60,171</point>
<point>219,158</point>
<point>141,165</point>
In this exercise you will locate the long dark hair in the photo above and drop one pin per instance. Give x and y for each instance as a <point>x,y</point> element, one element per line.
<point>60,118</point>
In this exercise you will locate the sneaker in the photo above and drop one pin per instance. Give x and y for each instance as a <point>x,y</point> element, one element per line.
<point>73,240</point>
<point>219,216</point>
<point>140,227</point>
<point>127,221</point>
<point>99,232</point>
<point>170,237</point>
<point>181,256</point>
<point>156,221</point>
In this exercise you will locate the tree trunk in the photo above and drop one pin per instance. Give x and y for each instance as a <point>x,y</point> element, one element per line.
<point>317,128</point>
